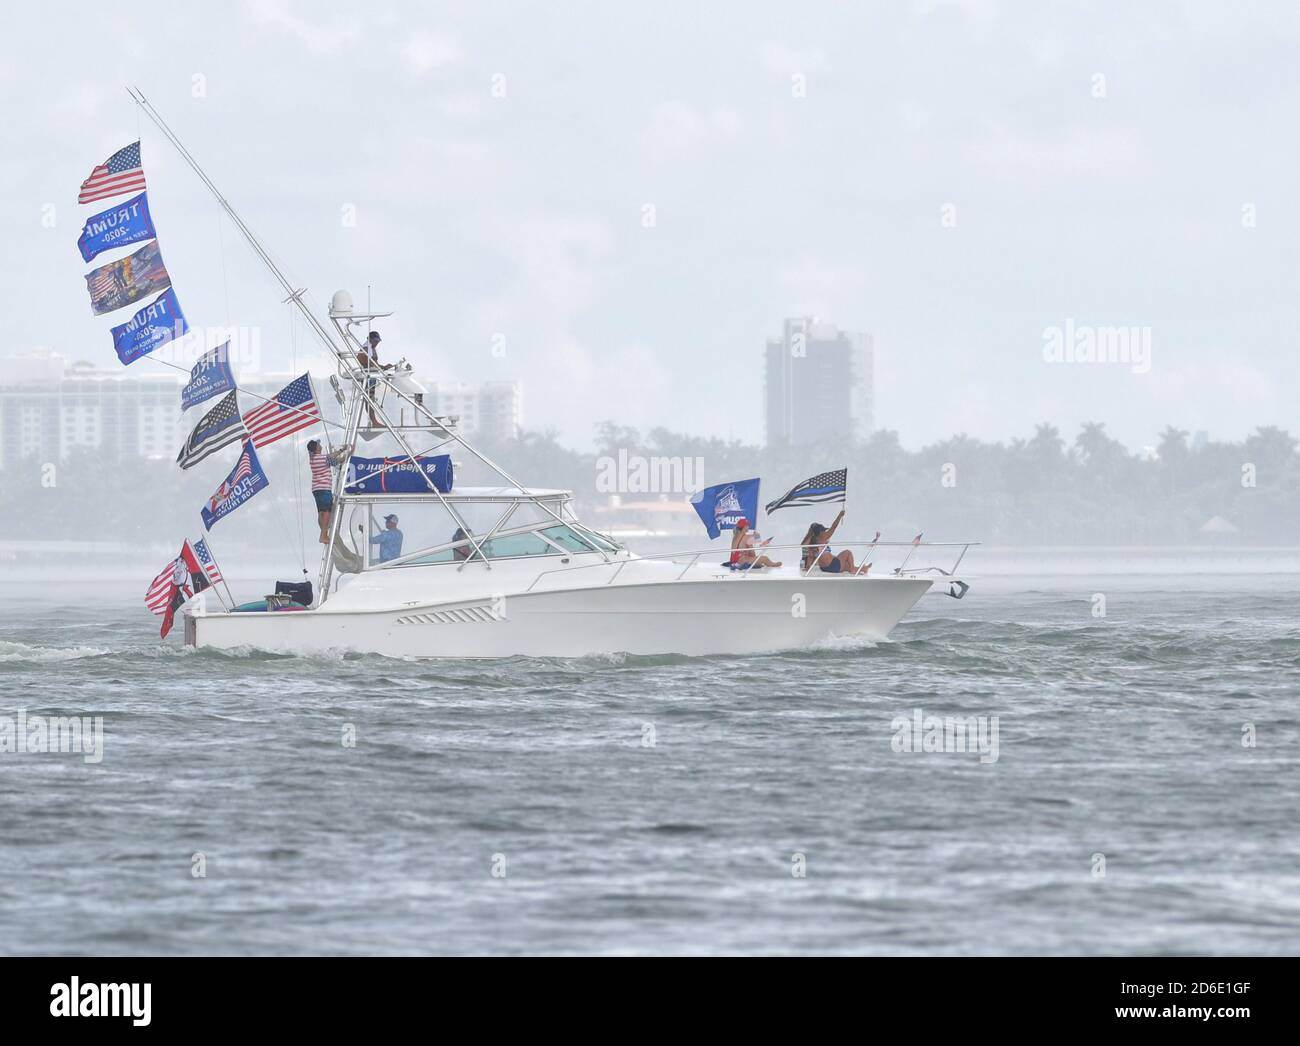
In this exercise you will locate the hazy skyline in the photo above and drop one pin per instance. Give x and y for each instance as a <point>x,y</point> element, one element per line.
<point>500,160</point>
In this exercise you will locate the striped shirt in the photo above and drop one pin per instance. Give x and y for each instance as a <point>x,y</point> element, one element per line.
<point>320,463</point>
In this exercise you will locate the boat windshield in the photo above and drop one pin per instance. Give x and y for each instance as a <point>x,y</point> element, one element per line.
<point>547,541</point>
<point>568,538</point>
<point>599,540</point>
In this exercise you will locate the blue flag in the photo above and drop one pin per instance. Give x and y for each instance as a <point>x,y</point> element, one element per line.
<point>398,475</point>
<point>720,506</point>
<point>118,226</point>
<point>244,481</point>
<point>209,377</point>
<point>156,324</point>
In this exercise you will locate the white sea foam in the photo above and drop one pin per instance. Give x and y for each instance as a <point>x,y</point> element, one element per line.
<point>29,652</point>
<point>845,643</point>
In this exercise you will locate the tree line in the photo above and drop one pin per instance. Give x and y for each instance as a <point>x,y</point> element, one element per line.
<point>1040,490</point>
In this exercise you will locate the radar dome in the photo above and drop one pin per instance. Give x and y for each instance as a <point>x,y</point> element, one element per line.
<point>341,304</point>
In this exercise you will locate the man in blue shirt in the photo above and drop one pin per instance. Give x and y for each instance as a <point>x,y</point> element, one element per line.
<point>389,540</point>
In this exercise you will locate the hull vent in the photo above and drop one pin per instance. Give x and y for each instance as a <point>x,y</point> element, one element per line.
<point>456,616</point>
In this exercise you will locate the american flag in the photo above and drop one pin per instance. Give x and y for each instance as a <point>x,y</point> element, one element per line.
<point>120,173</point>
<point>103,281</point>
<point>161,588</point>
<point>209,564</point>
<point>293,409</point>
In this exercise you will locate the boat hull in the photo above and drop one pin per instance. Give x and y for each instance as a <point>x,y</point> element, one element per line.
<point>716,616</point>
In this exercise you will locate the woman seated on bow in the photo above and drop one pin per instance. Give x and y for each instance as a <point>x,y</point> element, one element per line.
<point>817,549</point>
<point>743,556</point>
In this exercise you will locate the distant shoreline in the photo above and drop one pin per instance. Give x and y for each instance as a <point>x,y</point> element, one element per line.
<point>87,562</point>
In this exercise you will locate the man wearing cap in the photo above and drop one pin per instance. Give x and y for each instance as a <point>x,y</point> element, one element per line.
<point>389,540</point>
<point>368,357</point>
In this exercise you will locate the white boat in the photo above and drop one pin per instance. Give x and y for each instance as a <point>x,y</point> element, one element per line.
<point>506,569</point>
<point>516,572</point>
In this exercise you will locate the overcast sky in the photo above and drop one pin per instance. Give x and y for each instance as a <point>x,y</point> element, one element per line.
<point>797,157</point>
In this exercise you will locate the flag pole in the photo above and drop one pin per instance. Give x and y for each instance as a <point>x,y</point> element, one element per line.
<point>207,540</point>
<point>916,541</point>
<point>202,573</point>
<point>294,294</point>
<point>870,548</point>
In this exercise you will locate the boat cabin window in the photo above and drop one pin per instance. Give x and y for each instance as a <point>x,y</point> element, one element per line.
<point>567,539</point>
<point>516,545</point>
<point>599,540</point>
<point>550,541</point>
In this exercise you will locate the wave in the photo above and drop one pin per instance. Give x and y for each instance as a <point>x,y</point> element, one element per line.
<point>32,653</point>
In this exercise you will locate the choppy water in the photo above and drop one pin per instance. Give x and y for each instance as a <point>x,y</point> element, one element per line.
<point>1119,736</point>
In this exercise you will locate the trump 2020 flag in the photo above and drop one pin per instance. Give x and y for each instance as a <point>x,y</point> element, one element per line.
<point>246,480</point>
<point>127,280</point>
<point>822,488</point>
<point>720,506</point>
<point>217,428</point>
<point>209,377</point>
<point>119,226</point>
<point>156,324</point>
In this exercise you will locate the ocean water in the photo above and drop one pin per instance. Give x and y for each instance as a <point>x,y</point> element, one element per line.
<point>669,804</point>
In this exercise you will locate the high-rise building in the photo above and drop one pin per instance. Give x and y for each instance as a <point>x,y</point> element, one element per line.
<point>490,411</point>
<point>48,409</point>
<point>819,384</point>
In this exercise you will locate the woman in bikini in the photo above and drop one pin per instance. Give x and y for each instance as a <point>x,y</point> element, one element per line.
<point>817,549</point>
<point>743,556</point>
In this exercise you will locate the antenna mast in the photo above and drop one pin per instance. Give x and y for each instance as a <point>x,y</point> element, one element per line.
<point>294,294</point>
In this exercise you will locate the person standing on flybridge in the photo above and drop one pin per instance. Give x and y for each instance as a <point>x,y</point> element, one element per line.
<point>368,357</point>
<point>322,482</point>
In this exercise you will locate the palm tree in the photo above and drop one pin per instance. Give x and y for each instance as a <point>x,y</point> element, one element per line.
<point>1173,452</point>
<point>1271,444</point>
<point>1173,445</point>
<point>1047,441</point>
<point>1092,441</point>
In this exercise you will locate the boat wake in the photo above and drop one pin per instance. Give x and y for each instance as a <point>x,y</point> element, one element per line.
<point>846,644</point>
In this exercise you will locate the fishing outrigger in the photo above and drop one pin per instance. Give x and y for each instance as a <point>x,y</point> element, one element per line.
<point>506,569</point>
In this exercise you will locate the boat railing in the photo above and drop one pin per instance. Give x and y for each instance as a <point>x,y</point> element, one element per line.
<point>860,549</point>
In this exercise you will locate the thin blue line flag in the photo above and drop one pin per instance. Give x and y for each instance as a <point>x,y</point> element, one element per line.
<point>822,488</point>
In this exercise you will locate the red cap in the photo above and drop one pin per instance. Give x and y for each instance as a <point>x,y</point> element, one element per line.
<point>742,522</point>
